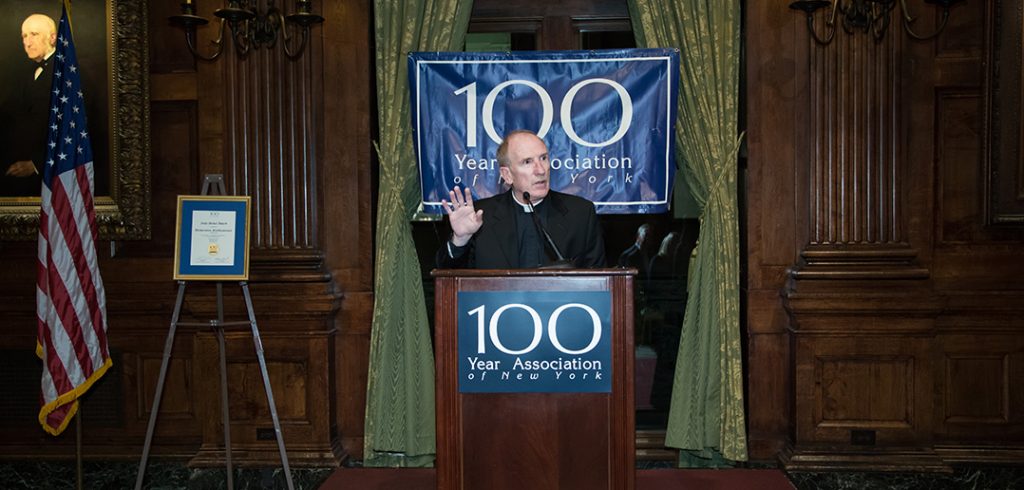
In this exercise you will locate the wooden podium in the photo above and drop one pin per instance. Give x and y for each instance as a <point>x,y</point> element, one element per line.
<point>556,441</point>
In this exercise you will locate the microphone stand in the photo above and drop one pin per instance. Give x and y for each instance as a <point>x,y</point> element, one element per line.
<point>561,263</point>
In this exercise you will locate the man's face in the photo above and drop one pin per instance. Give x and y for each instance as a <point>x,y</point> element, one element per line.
<point>528,168</point>
<point>37,37</point>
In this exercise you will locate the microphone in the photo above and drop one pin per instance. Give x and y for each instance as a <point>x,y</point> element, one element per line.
<point>561,263</point>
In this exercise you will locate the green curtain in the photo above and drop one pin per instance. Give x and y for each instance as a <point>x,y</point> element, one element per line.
<point>399,428</point>
<point>706,418</point>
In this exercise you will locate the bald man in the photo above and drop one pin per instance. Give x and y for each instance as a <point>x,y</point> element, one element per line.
<point>499,232</point>
<point>29,111</point>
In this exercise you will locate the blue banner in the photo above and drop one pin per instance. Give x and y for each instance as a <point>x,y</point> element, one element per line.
<point>527,341</point>
<point>608,118</point>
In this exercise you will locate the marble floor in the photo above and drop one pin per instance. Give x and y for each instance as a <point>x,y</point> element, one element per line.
<point>967,478</point>
<point>56,475</point>
<point>159,476</point>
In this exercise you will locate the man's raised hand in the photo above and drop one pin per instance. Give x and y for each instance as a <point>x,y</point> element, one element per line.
<point>464,218</point>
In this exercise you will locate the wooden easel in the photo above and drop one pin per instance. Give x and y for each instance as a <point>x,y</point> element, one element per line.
<point>214,185</point>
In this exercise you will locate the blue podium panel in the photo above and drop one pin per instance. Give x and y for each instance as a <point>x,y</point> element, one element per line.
<point>534,341</point>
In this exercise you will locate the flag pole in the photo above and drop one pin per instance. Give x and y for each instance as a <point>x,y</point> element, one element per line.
<point>78,445</point>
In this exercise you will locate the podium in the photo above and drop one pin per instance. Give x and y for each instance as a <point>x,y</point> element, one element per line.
<point>535,440</point>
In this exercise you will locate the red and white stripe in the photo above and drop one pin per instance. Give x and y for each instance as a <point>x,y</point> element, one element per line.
<point>70,300</point>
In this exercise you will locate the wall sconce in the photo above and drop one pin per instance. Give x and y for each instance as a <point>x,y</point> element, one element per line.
<point>872,16</point>
<point>252,26</point>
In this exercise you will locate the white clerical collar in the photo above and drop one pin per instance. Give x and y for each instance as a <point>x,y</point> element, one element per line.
<point>526,208</point>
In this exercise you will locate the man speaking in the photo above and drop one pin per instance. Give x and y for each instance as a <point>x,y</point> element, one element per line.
<point>529,226</point>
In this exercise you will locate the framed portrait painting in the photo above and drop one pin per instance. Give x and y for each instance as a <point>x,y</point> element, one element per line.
<point>111,44</point>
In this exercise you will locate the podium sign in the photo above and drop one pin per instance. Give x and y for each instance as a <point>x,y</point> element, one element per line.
<point>556,431</point>
<point>527,341</point>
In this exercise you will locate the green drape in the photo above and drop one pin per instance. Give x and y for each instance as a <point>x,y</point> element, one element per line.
<point>399,428</point>
<point>706,417</point>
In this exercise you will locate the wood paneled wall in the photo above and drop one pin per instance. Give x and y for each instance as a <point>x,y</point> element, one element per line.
<point>295,135</point>
<point>879,292</point>
<point>883,281</point>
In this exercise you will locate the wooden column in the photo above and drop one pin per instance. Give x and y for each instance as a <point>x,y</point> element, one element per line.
<point>862,316</point>
<point>261,119</point>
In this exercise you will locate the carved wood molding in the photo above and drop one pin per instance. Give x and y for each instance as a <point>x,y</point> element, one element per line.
<point>288,265</point>
<point>877,262</point>
<point>271,145</point>
<point>869,459</point>
<point>855,156</point>
<point>810,309</point>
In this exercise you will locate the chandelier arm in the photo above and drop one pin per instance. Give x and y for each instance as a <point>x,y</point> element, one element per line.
<point>942,25</point>
<point>881,23</point>
<point>240,36</point>
<point>871,16</point>
<point>830,23</point>
<point>251,27</point>
<point>845,10</point>
<point>302,43</point>
<point>190,34</point>
<point>281,28</point>
<point>906,13</point>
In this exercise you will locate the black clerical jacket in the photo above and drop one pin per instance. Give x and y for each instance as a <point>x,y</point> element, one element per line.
<point>571,222</point>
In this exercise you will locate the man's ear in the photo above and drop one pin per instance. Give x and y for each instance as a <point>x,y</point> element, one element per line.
<point>506,175</point>
<point>53,39</point>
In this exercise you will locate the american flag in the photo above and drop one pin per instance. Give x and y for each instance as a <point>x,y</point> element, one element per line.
<point>70,301</point>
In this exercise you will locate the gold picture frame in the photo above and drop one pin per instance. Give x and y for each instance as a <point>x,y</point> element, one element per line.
<point>123,209</point>
<point>211,238</point>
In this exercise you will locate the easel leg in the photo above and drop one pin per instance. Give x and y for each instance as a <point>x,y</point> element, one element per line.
<point>225,413</point>
<point>168,345</point>
<point>266,385</point>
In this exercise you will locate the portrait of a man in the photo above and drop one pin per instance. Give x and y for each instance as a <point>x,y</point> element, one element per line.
<point>27,43</point>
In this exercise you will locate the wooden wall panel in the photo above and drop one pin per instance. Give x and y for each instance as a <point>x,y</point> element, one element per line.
<point>177,400</point>
<point>175,170</point>
<point>768,394</point>
<point>961,176</point>
<point>349,180</point>
<point>353,360</point>
<point>774,233</point>
<point>287,381</point>
<point>977,388</point>
<point>901,295</point>
<point>980,376</point>
<point>179,431</point>
<point>299,367</point>
<point>167,53</point>
<point>866,391</point>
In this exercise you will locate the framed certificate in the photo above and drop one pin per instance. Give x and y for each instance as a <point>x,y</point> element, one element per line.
<point>212,238</point>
